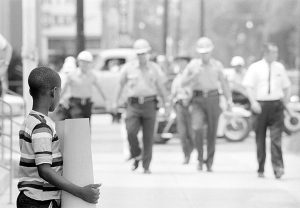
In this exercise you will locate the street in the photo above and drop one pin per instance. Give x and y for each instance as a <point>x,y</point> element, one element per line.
<point>233,183</point>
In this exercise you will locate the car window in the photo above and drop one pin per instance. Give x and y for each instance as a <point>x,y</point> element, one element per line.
<point>113,64</point>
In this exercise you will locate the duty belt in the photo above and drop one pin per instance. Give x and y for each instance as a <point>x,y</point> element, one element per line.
<point>202,93</point>
<point>141,100</point>
<point>82,101</point>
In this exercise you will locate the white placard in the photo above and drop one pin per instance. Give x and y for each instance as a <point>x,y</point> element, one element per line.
<point>77,157</point>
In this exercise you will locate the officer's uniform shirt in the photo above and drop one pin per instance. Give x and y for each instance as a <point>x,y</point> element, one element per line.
<point>206,76</point>
<point>178,91</point>
<point>141,83</point>
<point>81,84</point>
<point>257,77</point>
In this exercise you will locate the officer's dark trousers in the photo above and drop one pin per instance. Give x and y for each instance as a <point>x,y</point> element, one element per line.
<point>205,112</point>
<point>141,115</point>
<point>272,117</point>
<point>184,128</point>
<point>80,108</point>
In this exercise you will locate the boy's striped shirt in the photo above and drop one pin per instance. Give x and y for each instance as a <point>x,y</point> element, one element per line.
<point>39,144</point>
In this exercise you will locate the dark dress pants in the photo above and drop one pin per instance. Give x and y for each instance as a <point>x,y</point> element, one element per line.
<point>184,128</point>
<point>137,116</point>
<point>205,113</point>
<point>271,117</point>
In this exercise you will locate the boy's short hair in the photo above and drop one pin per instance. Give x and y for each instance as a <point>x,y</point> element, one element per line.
<point>42,79</point>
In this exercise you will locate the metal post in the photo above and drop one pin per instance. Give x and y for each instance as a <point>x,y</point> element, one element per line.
<point>165,25</point>
<point>202,18</point>
<point>2,129</point>
<point>11,157</point>
<point>80,40</point>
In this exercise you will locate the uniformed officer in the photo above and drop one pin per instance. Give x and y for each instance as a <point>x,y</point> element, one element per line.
<point>80,83</point>
<point>143,82</point>
<point>204,75</point>
<point>181,97</point>
<point>236,79</point>
<point>269,89</point>
<point>238,64</point>
<point>5,56</point>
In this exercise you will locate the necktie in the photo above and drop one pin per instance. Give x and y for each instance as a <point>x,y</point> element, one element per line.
<point>269,89</point>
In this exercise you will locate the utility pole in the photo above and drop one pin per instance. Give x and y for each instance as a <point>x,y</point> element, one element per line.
<point>80,40</point>
<point>165,25</point>
<point>202,18</point>
<point>178,27</point>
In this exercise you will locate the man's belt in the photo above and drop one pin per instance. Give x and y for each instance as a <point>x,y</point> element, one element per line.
<point>82,101</point>
<point>141,99</point>
<point>269,101</point>
<point>202,93</point>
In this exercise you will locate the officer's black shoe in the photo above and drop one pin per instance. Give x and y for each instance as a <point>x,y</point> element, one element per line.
<point>147,171</point>
<point>186,160</point>
<point>279,173</point>
<point>261,174</point>
<point>208,167</point>
<point>135,165</point>
<point>199,167</point>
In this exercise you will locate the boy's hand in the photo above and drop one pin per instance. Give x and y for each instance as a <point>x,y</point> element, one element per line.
<point>90,193</point>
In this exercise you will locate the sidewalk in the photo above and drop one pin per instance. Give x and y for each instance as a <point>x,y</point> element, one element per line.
<point>233,183</point>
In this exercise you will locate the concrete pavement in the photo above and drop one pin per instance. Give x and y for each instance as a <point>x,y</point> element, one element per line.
<point>232,184</point>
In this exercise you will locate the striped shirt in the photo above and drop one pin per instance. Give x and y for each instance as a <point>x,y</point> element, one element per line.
<point>39,144</point>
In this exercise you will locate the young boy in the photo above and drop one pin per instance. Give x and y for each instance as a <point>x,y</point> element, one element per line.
<point>41,182</point>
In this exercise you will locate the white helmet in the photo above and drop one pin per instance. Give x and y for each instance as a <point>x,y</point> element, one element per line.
<point>237,61</point>
<point>69,65</point>
<point>85,56</point>
<point>204,45</point>
<point>141,46</point>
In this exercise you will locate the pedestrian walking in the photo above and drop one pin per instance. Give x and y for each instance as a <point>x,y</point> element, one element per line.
<point>5,57</point>
<point>144,84</point>
<point>80,84</point>
<point>269,89</point>
<point>204,75</point>
<point>181,97</point>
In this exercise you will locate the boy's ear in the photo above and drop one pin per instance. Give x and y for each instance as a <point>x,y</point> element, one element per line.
<point>52,92</point>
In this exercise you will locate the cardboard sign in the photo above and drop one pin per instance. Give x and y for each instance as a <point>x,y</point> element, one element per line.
<point>77,156</point>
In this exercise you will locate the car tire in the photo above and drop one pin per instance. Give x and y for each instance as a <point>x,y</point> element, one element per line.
<point>238,133</point>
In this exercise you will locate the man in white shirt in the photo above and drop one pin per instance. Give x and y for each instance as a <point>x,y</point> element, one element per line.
<point>5,56</point>
<point>269,88</point>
